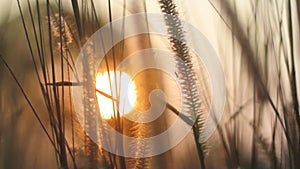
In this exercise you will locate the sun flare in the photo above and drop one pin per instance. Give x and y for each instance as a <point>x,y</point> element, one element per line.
<point>109,93</point>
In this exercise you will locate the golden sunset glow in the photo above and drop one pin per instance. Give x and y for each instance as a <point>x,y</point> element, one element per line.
<point>108,93</point>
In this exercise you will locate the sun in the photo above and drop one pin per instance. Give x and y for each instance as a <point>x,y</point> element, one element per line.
<point>112,91</point>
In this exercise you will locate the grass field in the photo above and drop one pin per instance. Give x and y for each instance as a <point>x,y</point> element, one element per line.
<point>257,43</point>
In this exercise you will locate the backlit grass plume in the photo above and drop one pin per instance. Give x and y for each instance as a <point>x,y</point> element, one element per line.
<point>185,71</point>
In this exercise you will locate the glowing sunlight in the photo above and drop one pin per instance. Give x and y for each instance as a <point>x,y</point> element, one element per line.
<point>123,93</point>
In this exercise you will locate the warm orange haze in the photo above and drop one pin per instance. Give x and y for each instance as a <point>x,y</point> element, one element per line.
<point>160,84</point>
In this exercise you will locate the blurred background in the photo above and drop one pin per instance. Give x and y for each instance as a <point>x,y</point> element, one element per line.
<point>258,46</point>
